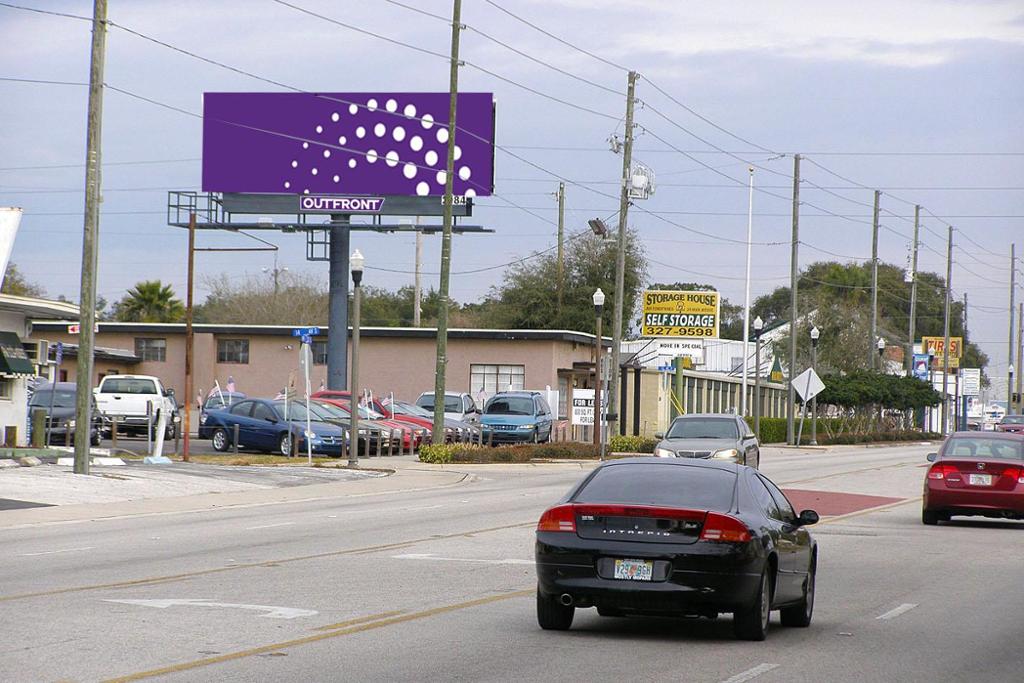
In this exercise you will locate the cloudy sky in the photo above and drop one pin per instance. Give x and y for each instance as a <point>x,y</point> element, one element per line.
<point>918,98</point>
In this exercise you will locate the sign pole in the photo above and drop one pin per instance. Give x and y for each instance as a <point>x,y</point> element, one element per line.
<point>307,350</point>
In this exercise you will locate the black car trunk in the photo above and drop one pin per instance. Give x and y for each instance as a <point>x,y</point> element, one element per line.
<point>646,524</point>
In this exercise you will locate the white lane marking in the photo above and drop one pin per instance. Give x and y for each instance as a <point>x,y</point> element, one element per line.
<point>269,526</point>
<point>54,552</point>
<point>895,612</point>
<point>750,674</point>
<point>428,556</point>
<point>271,611</point>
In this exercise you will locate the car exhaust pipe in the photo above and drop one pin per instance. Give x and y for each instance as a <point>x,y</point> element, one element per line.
<point>565,599</point>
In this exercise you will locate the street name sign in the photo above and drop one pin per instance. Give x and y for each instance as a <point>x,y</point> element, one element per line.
<point>305,332</point>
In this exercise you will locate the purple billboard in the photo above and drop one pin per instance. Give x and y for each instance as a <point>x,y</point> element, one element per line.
<point>346,143</point>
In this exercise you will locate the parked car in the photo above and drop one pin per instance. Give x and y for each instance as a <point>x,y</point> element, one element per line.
<point>218,401</point>
<point>136,401</point>
<point>457,406</point>
<point>262,425</point>
<point>977,474</point>
<point>1013,424</point>
<point>711,435</point>
<point>454,430</point>
<point>380,433</point>
<point>61,419</point>
<point>517,416</point>
<point>676,537</point>
<point>411,437</point>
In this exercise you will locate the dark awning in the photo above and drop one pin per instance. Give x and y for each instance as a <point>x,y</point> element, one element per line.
<point>13,359</point>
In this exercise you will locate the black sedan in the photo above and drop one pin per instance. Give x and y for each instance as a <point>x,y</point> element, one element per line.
<point>676,538</point>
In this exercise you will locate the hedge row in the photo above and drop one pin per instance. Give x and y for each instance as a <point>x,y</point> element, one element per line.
<point>466,453</point>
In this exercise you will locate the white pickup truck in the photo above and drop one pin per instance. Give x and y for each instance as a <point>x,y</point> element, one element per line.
<point>136,401</point>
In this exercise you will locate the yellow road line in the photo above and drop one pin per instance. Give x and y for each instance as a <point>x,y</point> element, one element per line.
<point>349,630</point>
<point>358,620</point>
<point>264,563</point>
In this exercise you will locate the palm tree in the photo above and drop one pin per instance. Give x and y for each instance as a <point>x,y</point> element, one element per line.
<point>149,302</point>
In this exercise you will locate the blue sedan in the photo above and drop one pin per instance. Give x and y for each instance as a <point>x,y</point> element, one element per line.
<point>262,426</point>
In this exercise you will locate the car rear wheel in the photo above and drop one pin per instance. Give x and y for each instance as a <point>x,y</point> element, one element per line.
<point>220,440</point>
<point>799,615</point>
<point>751,623</point>
<point>553,615</point>
<point>929,517</point>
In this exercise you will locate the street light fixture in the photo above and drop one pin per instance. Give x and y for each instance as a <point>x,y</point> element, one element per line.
<point>600,229</point>
<point>815,333</point>
<point>356,263</point>
<point>598,310</point>
<point>758,329</point>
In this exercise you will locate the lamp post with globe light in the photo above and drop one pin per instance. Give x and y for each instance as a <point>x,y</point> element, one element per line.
<point>815,333</point>
<point>881,350</point>
<point>356,261</point>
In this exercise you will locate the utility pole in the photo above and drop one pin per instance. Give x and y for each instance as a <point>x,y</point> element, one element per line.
<point>446,236</point>
<point>909,356</point>
<point>794,263</point>
<point>945,324</point>
<point>874,283</point>
<point>746,292</point>
<point>561,244</point>
<point>1020,359</point>
<point>417,290</point>
<point>189,340</point>
<point>1009,353</point>
<point>620,262</point>
<point>90,243</point>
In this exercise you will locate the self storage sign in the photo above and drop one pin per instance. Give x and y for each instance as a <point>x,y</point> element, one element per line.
<point>680,314</point>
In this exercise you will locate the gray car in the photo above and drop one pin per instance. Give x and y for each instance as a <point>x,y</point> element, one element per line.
<point>720,436</point>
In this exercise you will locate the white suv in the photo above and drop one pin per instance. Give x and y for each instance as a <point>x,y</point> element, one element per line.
<point>457,406</point>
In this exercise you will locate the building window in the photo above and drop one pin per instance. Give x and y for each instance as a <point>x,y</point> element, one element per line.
<point>495,378</point>
<point>233,351</point>
<point>319,353</point>
<point>151,349</point>
<point>6,388</point>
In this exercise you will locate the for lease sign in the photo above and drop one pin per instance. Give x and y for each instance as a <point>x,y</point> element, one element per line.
<point>680,314</point>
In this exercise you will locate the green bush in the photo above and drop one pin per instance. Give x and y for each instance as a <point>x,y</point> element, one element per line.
<point>631,444</point>
<point>773,429</point>
<point>438,454</point>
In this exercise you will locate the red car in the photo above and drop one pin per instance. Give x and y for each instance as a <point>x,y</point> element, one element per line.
<point>344,399</point>
<point>1011,423</point>
<point>975,474</point>
<point>408,433</point>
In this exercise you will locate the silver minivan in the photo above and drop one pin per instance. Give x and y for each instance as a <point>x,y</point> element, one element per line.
<point>457,406</point>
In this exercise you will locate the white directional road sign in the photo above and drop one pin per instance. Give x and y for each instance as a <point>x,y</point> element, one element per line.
<point>970,382</point>
<point>808,385</point>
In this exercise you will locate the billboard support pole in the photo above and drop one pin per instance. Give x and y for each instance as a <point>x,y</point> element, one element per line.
<point>945,325</point>
<point>337,317</point>
<point>446,238</point>
<point>87,296</point>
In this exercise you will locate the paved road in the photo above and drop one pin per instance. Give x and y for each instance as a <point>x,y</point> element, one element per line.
<point>438,585</point>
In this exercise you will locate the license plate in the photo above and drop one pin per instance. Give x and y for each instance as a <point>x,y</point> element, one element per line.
<point>979,479</point>
<point>634,570</point>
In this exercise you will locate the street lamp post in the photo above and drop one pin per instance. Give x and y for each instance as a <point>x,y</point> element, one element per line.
<point>1009,389</point>
<point>758,328</point>
<point>356,263</point>
<point>815,333</point>
<point>598,308</point>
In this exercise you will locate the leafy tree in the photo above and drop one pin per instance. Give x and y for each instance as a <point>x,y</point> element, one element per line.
<point>15,283</point>
<point>526,297</point>
<point>298,299</point>
<point>150,301</point>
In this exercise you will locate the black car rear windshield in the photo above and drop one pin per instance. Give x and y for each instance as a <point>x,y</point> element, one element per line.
<point>701,488</point>
<point>703,428</point>
<point>983,447</point>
